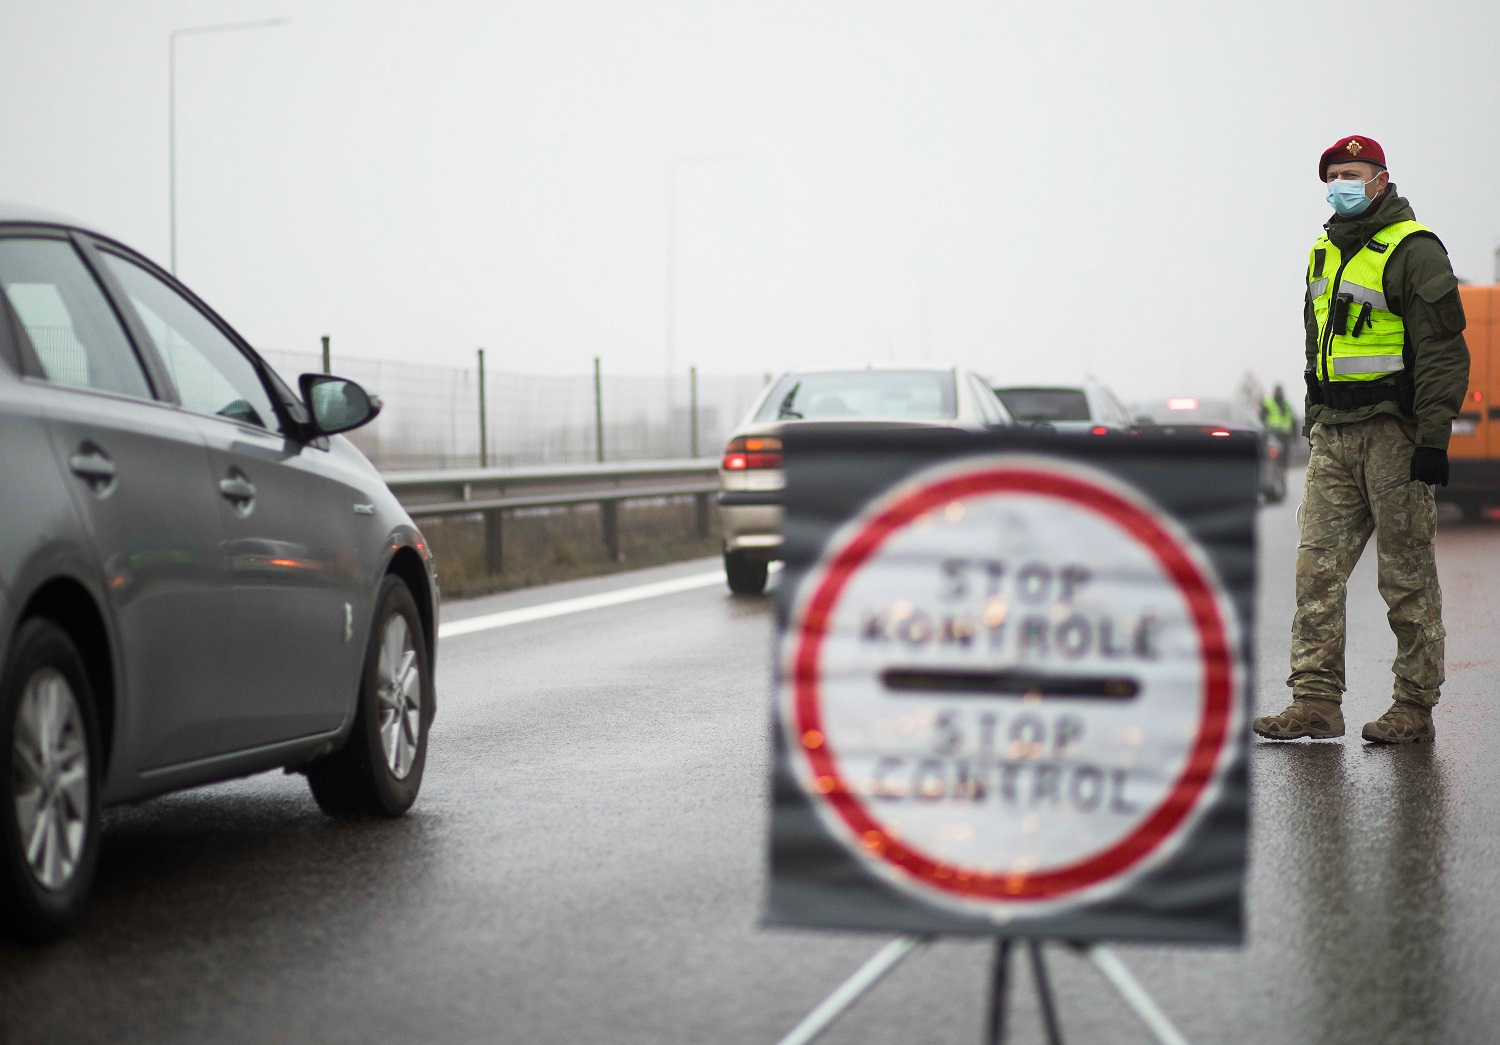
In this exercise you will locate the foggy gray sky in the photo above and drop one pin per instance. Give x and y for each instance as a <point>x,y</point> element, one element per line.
<point>1123,189</point>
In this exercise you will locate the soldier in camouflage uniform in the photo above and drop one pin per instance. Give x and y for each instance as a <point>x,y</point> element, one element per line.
<point>1379,423</point>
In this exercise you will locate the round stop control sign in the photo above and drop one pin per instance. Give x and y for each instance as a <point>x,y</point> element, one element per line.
<point>1011,684</point>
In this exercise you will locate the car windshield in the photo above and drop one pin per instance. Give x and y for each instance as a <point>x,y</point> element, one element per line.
<point>1045,404</point>
<point>919,395</point>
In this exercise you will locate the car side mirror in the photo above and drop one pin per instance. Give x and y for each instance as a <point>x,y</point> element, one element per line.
<point>336,403</point>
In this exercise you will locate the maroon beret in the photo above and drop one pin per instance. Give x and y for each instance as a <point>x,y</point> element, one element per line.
<point>1354,147</point>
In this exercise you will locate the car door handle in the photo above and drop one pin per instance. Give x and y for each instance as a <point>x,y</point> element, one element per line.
<point>237,488</point>
<point>92,464</point>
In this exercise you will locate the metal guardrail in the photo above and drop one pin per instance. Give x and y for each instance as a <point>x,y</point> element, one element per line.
<point>491,492</point>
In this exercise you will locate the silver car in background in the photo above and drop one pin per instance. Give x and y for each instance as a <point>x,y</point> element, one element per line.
<point>750,473</point>
<point>199,579</point>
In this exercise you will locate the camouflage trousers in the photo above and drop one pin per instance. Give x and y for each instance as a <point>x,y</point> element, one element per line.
<point>1358,483</point>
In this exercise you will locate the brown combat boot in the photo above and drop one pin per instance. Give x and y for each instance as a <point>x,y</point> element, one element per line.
<point>1404,724</point>
<point>1307,717</point>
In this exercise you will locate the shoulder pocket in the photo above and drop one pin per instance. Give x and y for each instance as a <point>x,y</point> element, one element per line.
<point>1441,295</point>
<point>1437,288</point>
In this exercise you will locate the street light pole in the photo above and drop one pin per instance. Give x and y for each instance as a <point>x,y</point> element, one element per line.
<point>191,30</point>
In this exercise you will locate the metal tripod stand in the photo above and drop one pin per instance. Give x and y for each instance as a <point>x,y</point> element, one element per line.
<point>893,953</point>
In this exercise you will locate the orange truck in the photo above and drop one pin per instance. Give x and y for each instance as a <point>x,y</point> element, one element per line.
<point>1474,451</point>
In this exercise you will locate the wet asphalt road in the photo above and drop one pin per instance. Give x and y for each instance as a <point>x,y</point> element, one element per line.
<point>585,864</point>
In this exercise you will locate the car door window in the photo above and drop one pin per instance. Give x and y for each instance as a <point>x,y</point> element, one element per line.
<point>77,338</point>
<point>211,373</point>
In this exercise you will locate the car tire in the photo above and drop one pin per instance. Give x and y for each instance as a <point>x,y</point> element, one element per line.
<point>50,761</point>
<point>378,771</point>
<point>746,576</point>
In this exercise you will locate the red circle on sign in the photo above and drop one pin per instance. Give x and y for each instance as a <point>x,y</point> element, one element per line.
<point>1218,688</point>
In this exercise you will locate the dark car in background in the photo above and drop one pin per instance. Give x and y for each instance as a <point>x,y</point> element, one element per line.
<point>1214,417</point>
<point>200,578</point>
<point>1089,407</point>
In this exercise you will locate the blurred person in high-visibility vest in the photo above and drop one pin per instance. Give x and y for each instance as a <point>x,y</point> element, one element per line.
<point>1387,369</point>
<point>1276,414</point>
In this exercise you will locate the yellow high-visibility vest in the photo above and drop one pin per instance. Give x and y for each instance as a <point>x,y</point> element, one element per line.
<point>1278,416</point>
<point>1359,337</point>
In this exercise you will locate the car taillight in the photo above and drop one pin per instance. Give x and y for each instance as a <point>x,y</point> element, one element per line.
<point>1222,433</point>
<point>1098,430</point>
<point>756,451</point>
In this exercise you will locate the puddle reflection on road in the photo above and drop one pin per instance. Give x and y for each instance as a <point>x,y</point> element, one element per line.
<point>1352,842</point>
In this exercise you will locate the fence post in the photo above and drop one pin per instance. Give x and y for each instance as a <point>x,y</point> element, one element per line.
<point>598,414</point>
<point>692,411</point>
<point>327,357</point>
<point>484,435</point>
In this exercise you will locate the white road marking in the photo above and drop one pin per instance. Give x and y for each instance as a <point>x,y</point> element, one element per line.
<point>526,614</point>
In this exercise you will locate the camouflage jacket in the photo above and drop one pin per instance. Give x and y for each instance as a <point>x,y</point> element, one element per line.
<point>1420,288</point>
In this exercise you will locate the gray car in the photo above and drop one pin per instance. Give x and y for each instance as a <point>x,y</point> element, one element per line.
<point>200,578</point>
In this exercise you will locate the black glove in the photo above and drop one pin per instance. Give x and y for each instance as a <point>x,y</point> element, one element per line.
<point>1429,465</point>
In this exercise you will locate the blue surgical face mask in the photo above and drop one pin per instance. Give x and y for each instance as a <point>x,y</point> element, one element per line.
<point>1348,198</point>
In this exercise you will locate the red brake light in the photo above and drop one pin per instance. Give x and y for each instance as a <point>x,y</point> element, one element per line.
<point>1222,433</point>
<point>1098,430</point>
<point>756,451</point>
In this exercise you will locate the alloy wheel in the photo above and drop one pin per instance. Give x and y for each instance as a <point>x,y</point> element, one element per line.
<point>50,778</point>
<point>399,691</point>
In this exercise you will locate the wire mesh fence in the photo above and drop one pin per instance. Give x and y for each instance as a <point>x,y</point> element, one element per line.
<point>432,418</point>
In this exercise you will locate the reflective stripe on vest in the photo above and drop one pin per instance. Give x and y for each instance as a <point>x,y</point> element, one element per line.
<point>1359,338</point>
<point>1346,366</point>
<point>1362,294</point>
